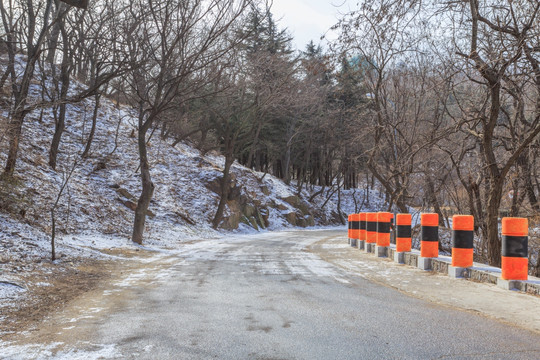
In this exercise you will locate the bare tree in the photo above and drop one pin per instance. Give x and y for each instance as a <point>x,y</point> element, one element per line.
<point>499,38</point>
<point>27,27</point>
<point>245,95</point>
<point>169,45</point>
<point>66,176</point>
<point>83,4</point>
<point>37,21</point>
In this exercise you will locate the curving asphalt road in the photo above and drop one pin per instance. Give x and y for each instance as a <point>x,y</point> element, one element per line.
<point>266,297</point>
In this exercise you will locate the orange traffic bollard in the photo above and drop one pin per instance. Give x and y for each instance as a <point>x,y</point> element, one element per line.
<point>383,233</point>
<point>349,233</point>
<point>371,228</point>
<point>355,228</point>
<point>515,250</point>
<point>429,239</point>
<point>362,227</point>
<point>403,232</point>
<point>462,240</point>
<point>362,231</point>
<point>371,231</point>
<point>383,228</point>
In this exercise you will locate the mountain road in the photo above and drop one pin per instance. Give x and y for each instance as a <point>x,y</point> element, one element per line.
<point>283,295</point>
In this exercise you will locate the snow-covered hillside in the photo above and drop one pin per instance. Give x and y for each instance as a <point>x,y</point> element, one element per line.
<point>101,194</point>
<point>95,212</point>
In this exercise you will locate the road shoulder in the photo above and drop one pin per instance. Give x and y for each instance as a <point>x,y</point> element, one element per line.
<point>510,307</point>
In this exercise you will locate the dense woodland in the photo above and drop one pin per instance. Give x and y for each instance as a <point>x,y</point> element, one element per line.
<point>437,102</point>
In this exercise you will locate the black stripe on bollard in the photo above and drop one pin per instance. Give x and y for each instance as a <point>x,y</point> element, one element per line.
<point>515,246</point>
<point>404,231</point>
<point>355,225</point>
<point>429,233</point>
<point>371,226</point>
<point>462,239</point>
<point>362,225</point>
<point>383,227</point>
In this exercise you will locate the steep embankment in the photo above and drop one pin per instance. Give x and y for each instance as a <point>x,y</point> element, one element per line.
<point>102,191</point>
<point>96,207</point>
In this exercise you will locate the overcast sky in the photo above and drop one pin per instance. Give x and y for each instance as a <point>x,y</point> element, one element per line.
<point>308,19</point>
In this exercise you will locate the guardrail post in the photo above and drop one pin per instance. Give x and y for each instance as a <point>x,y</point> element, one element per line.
<point>403,237</point>
<point>383,233</point>
<point>355,229</point>
<point>462,245</point>
<point>429,239</point>
<point>362,234</point>
<point>515,249</point>
<point>371,231</point>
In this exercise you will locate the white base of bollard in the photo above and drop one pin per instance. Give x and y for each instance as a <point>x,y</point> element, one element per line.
<point>361,244</point>
<point>399,257</point>
<point>353,242</point>
<point>519,285</point>
<point>370,247</point>
<point>381,251</point>
<point>424,263</point>
<point>458,272</point>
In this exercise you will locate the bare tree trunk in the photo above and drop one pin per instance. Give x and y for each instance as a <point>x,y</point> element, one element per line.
<point>229,159</point>
<point>340,215</point>
<point>15,128</point>
<point>388,188</point>
<point>54,35</point>
<point>514,207</point>
<point>65,183</point>
<point>537,265</point>
<point>286,166</point>
<point>58,130</point>
<point>146,180</point>
<point>86,151</point>
<point>53,235</point>
<point>21,92</point>
<point>492,223</point>
<point>432,198</point>
<point>253,147</point>
<point>17,118</point>
<point>61,120</point>
<point>5,77</point>
<point>523,162</point>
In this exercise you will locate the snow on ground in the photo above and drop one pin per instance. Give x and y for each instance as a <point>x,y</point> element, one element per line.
<point>93,213</point>
<point>39,351</point>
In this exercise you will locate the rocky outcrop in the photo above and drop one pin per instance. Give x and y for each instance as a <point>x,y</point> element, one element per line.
<point>254,208</point>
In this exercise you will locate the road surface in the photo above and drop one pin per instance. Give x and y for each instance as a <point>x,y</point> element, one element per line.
<point>264,296</point>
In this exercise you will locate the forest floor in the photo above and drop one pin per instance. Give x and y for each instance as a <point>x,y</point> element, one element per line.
<point>49,286</point>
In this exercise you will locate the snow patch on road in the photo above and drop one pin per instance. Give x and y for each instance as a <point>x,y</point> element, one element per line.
<point>51,351</point>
